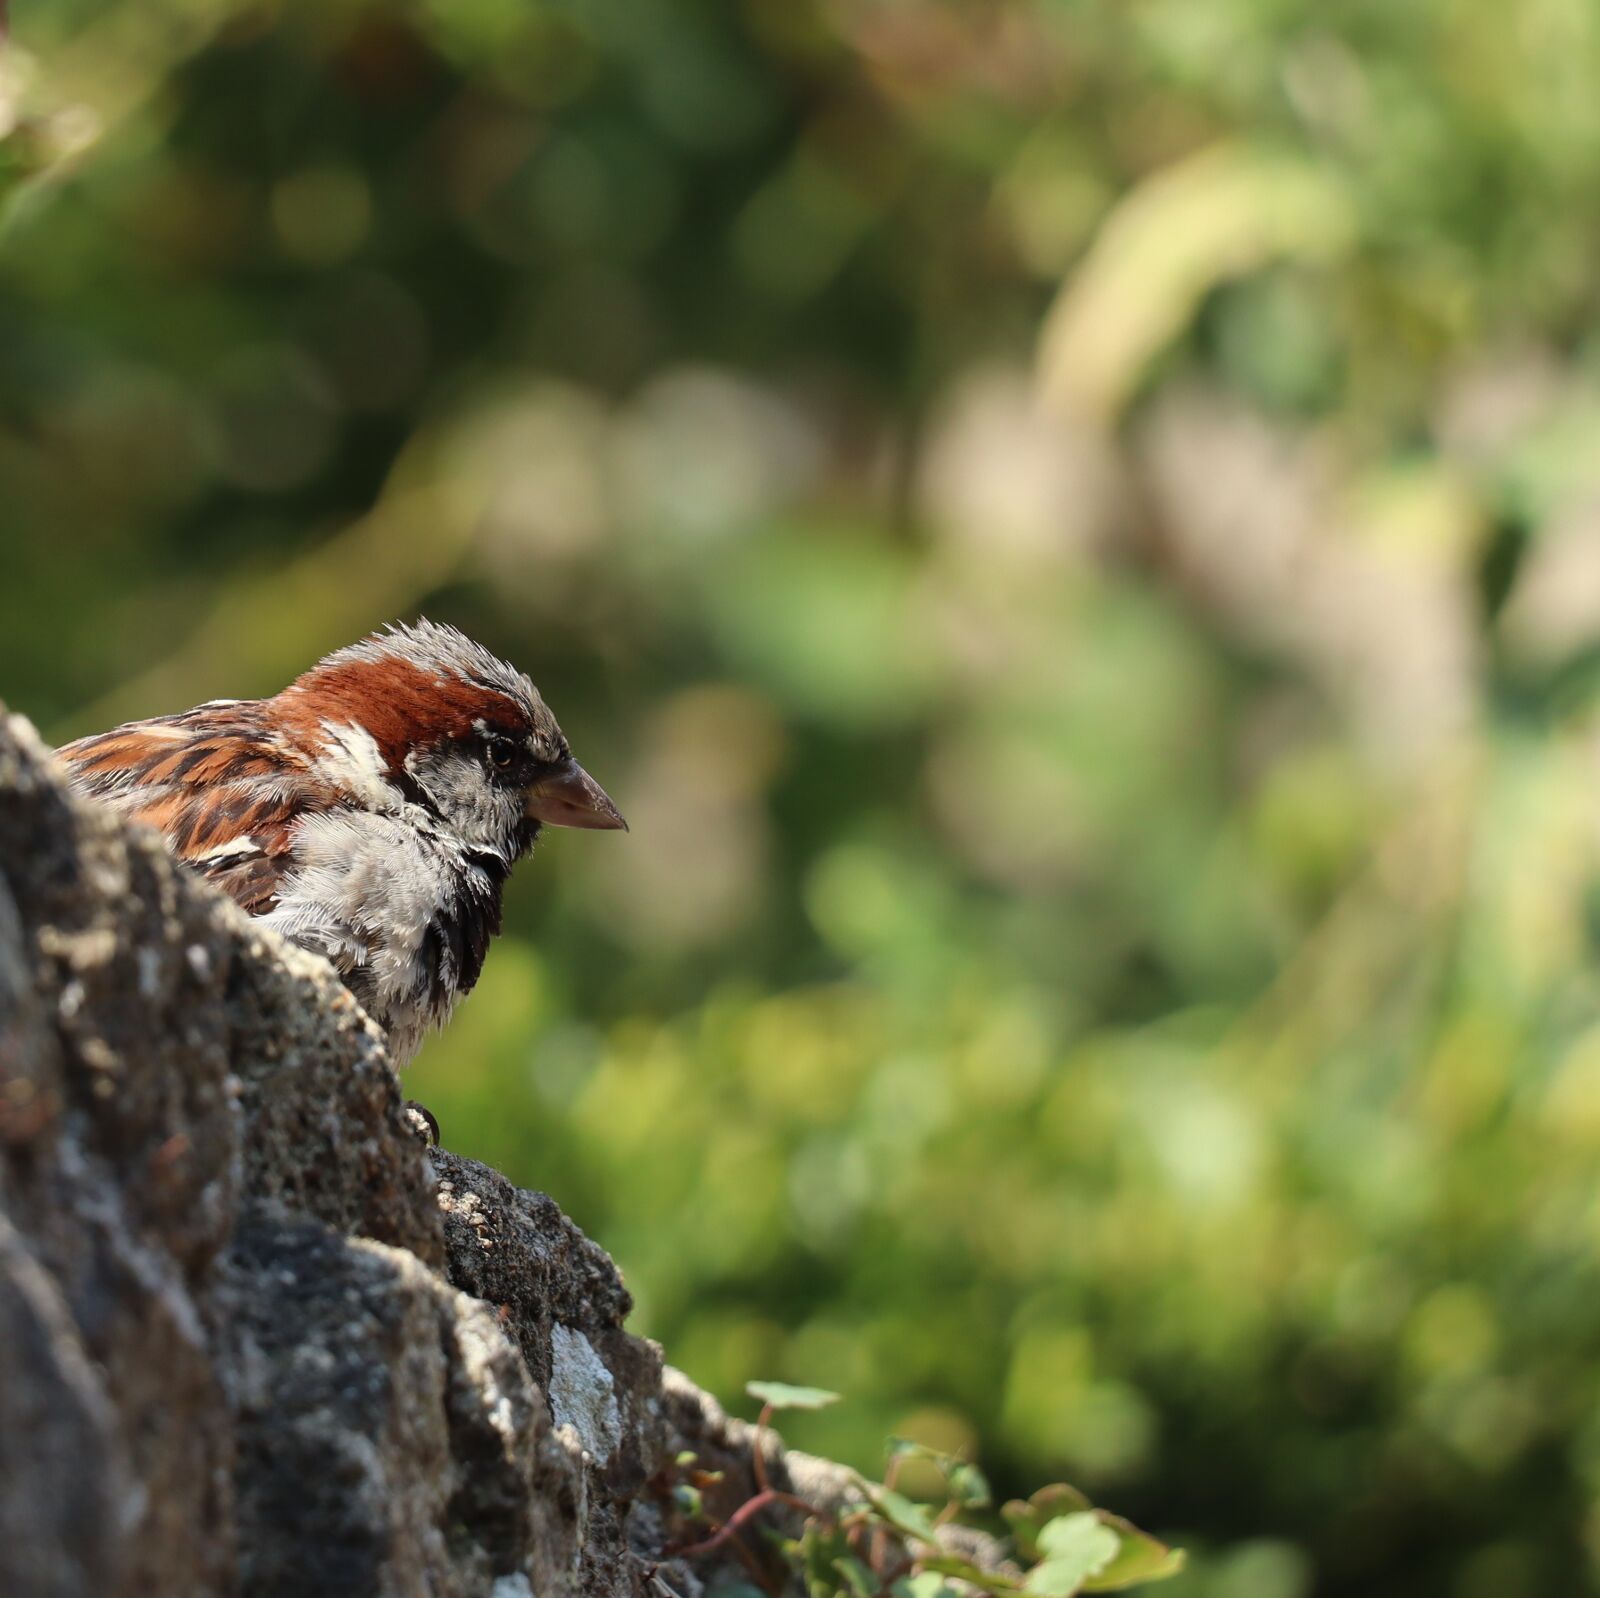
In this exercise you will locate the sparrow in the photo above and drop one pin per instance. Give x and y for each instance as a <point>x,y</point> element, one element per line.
<point>371,812</point>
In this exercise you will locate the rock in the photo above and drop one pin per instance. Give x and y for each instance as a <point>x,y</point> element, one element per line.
<point>259,1339</point>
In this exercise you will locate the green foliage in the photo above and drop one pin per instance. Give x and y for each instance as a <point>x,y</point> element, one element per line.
<point>1075,1547</point>
<point>36,137</point>
<point>1104,967</point>
<point>785,1395</point>
<point>1060,1544</point>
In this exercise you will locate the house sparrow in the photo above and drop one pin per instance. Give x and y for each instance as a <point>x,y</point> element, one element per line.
<point>370,812</point>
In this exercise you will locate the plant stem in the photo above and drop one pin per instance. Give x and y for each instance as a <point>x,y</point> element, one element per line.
<point>749,1508</point>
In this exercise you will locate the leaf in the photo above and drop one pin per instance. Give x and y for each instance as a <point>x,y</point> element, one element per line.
<point>782,1395</point>
<point>1141,1558</point>
<point>1026,1518</point>
<point>819,1553</point>
<point>968,1485</point>
<point>861,1580</point>
<point>908,1518</point>
<point>993,1581</point>
<point>926,1583</point>
<point>688,1500</point>
<point>1076,1547</point>
<point>1065,1534</point>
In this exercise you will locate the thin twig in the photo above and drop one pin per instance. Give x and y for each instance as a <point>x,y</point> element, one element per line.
<point>758,1463</point>
<point>746,1511</point>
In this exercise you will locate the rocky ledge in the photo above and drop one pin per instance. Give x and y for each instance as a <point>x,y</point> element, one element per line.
<point>256,1337</point>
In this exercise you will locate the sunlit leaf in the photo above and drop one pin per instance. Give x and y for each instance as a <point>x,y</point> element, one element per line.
<point>1140,1558</point>
<point>904,1448</point>
<point>907,1517</point>
<point>1076,1547</point>
<point>1027,1517</point>
<point>782,1395</point>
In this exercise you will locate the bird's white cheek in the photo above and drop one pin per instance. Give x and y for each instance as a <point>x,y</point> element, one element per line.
<point>475,810</point>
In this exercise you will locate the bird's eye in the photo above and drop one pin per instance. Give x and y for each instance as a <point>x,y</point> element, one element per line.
<point>502,751</point>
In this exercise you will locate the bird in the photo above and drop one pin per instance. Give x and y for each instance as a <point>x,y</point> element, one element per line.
<point>371,812</point>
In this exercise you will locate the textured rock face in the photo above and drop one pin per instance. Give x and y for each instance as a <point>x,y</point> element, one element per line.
<point>255,1338</point>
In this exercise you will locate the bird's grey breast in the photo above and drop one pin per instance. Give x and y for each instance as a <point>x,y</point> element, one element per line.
<point>402,909</point>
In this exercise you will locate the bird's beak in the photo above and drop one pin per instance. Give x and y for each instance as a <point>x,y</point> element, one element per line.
<point>570,797</point>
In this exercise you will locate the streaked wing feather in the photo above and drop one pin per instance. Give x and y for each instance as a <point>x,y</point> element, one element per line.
<point>250,879</point>
<point>220,787</point>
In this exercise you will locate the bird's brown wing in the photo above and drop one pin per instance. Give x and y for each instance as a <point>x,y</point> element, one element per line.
<point>218,783</point>
<point>251,880</point>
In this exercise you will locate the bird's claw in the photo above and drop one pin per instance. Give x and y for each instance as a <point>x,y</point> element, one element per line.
<point>423,1122</point>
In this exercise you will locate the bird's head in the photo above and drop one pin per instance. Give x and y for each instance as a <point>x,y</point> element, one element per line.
<point>423,712</point>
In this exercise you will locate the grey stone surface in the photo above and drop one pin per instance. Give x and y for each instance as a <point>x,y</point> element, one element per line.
<point>255,1337</point>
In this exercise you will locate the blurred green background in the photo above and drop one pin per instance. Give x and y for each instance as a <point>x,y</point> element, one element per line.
<point>1073,533</point>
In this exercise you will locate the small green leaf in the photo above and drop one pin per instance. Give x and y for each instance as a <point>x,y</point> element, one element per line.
<point>1140,1558</point>
<point>860,1580</point>
<point>1055,1578</point>
<point>782,1395</point>
<point>688,1500</point>
<point>908,1518</point>
<point>1075,1547</point>
<point>968,1485</point>
<point>1027,1518</point>
<point>993,1581</point>
<point>924,1584</point>
<point>820,1550</point>
<point>1063,1535</point>
<point>685,1458</point>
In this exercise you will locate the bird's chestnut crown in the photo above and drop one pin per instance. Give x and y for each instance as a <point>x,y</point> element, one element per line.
<point>446,724</point>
